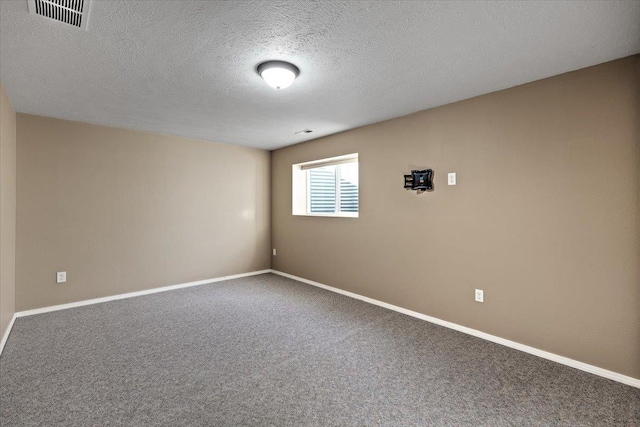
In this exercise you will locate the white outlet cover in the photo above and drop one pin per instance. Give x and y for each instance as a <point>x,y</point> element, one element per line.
<point>61,277</point>
<point>452,178</point>
<point>274,252</point>
<point>479,295</point>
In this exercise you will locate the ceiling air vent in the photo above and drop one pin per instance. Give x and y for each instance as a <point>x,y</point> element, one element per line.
<point>72,12</point>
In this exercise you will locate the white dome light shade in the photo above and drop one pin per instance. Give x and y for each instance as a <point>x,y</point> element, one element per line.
<point>278,74</point>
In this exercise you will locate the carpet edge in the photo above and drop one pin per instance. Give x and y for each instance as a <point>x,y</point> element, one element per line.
<point>5,336</point>
<point>136,293</point>
<point>595,370</point>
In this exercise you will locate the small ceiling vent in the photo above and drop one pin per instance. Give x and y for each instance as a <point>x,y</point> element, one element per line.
<point>72,12</point>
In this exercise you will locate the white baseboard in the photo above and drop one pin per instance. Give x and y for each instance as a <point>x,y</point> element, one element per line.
<point>120,296</point>
<point>624,379</point>
<point>5,336</point>
<point>135,294</point>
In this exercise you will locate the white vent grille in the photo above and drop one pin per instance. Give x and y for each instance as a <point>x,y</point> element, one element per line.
<point>72,12</point>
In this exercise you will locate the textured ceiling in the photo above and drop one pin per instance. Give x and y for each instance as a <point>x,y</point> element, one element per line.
<point>187,68</point>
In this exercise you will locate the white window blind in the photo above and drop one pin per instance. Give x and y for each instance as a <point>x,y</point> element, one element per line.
<point>333,187</point>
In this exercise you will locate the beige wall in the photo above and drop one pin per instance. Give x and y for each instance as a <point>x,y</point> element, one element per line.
<point>7,210</point>
<point>123,211</point>
<point>545,217</point>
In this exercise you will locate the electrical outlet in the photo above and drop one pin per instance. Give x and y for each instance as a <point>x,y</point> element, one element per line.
<point>61,277</point>
<point>479,295</point>
<point>452,178</point>
<point>274,252</point>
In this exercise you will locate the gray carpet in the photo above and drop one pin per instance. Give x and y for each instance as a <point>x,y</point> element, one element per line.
<point>269,351</point>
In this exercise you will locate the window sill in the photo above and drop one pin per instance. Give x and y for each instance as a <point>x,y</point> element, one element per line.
<point>331,215</point>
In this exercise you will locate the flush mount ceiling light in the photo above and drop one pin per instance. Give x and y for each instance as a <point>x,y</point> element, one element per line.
<point>278,74</point>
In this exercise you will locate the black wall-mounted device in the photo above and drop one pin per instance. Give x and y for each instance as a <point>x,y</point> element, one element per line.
<point>419,180</point>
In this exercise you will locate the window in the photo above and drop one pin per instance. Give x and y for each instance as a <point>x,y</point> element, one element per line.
<point>327,187</point>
